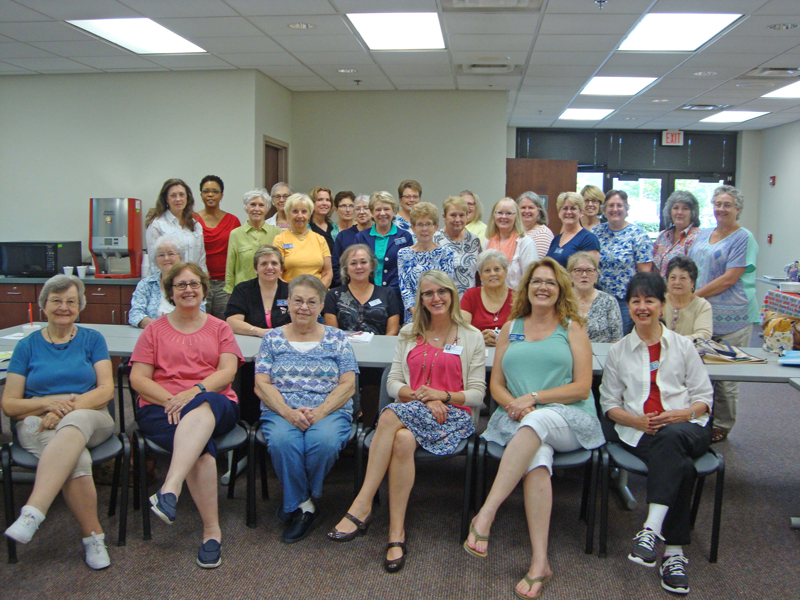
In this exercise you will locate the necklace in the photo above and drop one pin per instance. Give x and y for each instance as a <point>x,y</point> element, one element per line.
<point>436,338</point>
<point>64,345</point>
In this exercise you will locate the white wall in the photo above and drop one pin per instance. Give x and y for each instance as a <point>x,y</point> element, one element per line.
<point>368,141</point>
<point>67,138</point>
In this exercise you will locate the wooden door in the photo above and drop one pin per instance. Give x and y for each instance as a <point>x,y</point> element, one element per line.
<point>276,165</point>
<point>544,177</point>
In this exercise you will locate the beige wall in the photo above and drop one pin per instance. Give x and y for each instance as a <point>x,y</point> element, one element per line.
<point>273,118</point>
<point>368,141</point>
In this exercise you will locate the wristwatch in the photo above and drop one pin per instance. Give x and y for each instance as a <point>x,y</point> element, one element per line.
<point>535,396</point>
<point>202,387</point>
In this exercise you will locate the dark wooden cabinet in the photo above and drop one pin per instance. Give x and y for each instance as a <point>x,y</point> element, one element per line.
<point>15,299</point>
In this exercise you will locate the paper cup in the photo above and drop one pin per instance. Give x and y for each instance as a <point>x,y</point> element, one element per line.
<point>68,270</point>
<point>29,329</point>
<point>81,271</point>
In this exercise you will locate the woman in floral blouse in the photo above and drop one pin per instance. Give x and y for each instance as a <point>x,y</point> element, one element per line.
<point>682,216</point>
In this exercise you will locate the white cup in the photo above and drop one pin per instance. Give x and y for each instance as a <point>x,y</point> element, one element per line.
<point>81,271</point>
<point>29,329</point>
<point>68,270</point>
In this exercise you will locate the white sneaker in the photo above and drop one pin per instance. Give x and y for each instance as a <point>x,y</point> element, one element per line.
<point>25,526</point>
<point>96,551</point>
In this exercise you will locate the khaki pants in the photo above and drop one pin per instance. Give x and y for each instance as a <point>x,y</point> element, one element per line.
<point>726,393</point>
<point>217,299</point>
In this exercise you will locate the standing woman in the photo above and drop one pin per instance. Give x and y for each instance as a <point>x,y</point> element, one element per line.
<point>304,252</point>
<point>385,239</point>
<point>465,245</point>
<point>488,306</point>
<point>726,258</point>
<point>173,214</point>
<point>475,211</point>
<point>601,311</point>
<point>59,383</point>
<point>682,216</point>
<point>344,203</point>
<point>505,233</point>
<point>423,256</point>
<point>534,221</point>
<point>280,194</point>
<point>347,237</point>
<point>321,221</point>
<point>245,240</point>
<point>217,226</point>
<point>593,198</point>
<point>410,193</point>
<point>436,388</point>
<point>625,250</point>
<point>573,237</point>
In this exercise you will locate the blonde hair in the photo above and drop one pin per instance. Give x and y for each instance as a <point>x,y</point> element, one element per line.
<point>422,318</point>
<point>384,197</point>
<point>579,256</point>
<point>299,199</point>
<point>566,307</point>
<point>593,192</point>
<point>478,205</point>
<point>574,197</point>
<point>457,202</point>
<point>491,226</point>
<point>422,210</point>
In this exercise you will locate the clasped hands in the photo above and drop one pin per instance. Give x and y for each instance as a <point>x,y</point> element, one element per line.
<point>434,400</point>
<point>175,404</point>
<point>651,422</point>
<point>58,408</point>
<point>304,417</point>
<point>519,407</point>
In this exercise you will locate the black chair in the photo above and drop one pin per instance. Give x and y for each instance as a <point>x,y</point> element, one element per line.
<point>257,449</point>
<point>117,447</point>
<point>235,440</point>
<point>465,448</point>
<point>588,459</point>
<point>614,454</point>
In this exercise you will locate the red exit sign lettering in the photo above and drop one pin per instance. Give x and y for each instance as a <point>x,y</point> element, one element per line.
<point>672,138</point>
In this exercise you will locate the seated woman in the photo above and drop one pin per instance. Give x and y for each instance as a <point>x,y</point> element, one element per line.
<point>656,389</point>
<point>685,313</point>
<point>148,301</point>
<point>304,252</point>
<point>437,374</point>
<point>58,385</point>
<point>601,311</point>
<point>183,367</point>
<point>542,410</point>
<point>305,377</point>
<point>487,307</point>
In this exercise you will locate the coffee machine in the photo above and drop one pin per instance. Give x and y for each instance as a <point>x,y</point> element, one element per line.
<point>115,237</point>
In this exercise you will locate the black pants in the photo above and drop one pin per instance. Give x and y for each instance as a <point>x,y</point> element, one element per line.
<point>669,456</point>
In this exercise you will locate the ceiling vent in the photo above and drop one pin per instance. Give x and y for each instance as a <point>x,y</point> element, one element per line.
<point>771,72</point>
<point>487,69</point>
<point>534,6</point>
<point>705,107</point>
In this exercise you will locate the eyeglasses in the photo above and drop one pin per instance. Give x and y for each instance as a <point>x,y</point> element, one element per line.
<point>184,284</point>
<point>408,197</point>
<point>56,302</point>
<point>346,207</point>
<point>311,304</point>
<point>725,205</point>
<point>210,191</point>
<point>550,283</point>
<point>591,201</point>
<point>424,224</point>
<point>441,292</point>
<point>362,209</point>
<point>590,271</point>
<point>167,255</point>
<point>500,213</point>
<point>569,208</point>
<point>281,196</point>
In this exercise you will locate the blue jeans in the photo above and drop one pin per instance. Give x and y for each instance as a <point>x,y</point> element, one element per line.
<point>627,322</point>
<point>302,459</point>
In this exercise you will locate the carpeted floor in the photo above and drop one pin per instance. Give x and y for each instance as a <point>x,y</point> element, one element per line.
<point>759,553</point>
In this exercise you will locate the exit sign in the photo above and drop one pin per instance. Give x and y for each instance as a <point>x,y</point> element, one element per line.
<point>672,138</point>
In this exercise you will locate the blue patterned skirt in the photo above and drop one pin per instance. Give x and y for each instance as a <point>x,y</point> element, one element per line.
<point>434,437</point>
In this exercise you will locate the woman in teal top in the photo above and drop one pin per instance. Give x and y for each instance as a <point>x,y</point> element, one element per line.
<point>542,410</point>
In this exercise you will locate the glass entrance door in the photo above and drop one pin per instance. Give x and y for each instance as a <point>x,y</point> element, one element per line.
<point>702,191</point>
<point>645,197</point>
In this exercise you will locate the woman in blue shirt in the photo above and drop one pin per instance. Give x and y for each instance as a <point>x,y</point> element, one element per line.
<point>573,237</point>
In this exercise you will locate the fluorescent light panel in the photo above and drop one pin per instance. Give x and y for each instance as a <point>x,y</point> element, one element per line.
<point>789,91</point>
<point>399,31</point>
<point>733,116</point>
<point>616,86</point>
<point>675,32</point>
<point>585,114</point>
<point>142,36</point>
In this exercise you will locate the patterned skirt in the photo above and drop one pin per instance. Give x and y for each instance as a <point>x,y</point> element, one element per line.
<point>434,437</point>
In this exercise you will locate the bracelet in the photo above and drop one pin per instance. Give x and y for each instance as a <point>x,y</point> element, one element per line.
<point>201,386</point>
<point>447,401</point>
<point>535,396</point>
<point>251,330</point>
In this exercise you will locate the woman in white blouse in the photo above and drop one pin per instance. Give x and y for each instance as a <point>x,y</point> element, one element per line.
<point>173,215</point>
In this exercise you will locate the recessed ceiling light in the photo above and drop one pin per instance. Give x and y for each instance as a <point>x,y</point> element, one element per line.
<point>399,31</point>
<point>346,71</point>
<point>616,86</point>
<point>789,91</point>
<point>660,100</point>
<point>631,118</point>
<point>142,36</point>
<point>733,116</point>
<point>782,26</point>
<point>585,114</point>
<point>675,32</point>
<point>302,26</point>
<point>754,84</point>
<point>706,74</point>
<point>705,107</point>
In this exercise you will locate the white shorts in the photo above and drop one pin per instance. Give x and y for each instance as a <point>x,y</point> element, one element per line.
<point>555,434</point>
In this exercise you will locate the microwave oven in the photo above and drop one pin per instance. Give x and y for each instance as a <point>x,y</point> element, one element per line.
<point>38,259</point>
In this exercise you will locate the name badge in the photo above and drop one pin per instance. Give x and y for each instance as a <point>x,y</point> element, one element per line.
<point>399,241</point>
<point>282,302</point>
<point>654,365</point>
<point>453,349</point>
<point>288,246</point>
<point>516,337</point>
<point>375,302</point>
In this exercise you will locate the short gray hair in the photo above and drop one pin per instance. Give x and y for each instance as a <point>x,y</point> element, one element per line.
<point>542,218</point>
<point>278,186</point>
<point>310,281</point>
<point>360,197</point>
<point>266,250</point>
<point>303,199</point>
<point>257,193</point>
<point>344,275</point>
<point>735,193</point>
<point>61,283</point>
<point>686,198</point>
<point>489,255</point>
<point>172,241</point>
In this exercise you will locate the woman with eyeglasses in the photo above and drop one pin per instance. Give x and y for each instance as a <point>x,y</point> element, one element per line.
<point>362,219</point>
<point>541,380</point>
<point>280,194</point>
<point>409,193</point>
<point>601,311</point>
<point>573,237</point>
<point>505,233</point>
<point>437,379</point>
<point>183,367</point>
<point>305,378</point>
<point>217,226</point>
<point>593,198</point>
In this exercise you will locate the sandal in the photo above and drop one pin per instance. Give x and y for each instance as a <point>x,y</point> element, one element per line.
<point>718,435</point>
<point>531,581</point>
<point>361,529</point>
<point>478,538</point>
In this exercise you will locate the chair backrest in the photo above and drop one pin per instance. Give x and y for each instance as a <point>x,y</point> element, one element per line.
<point>384,399</point>
<point>357,401</point>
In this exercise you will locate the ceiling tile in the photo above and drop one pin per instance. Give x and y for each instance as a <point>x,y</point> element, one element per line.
<point>362,71</point>
<point>158,9</point>
<point>499,82</point>
<point>286,70</point>
<point>745,61</point>
<point>490,43</point>
<point>490,23</point>
<point>423,80</point>
<point>419,57</point>
<point>642,71</point>
<point>707,6</point>
<point>730,44</point>
<point>579,43</point>
<point>300,84</point>
<point>323,25</point>
<point>360,6</point>
<point>55,64</point>
<point>52,31</point>
<point>422,70</point>
<point>422,87</point>
<point>260,59</point>
<point>18,50</point>
<point>210,27</point>
<point>13,11</point>
<point>80,49</point>
<point>567,58</point>
<point>615,7</point>
<point>663,60</point>
<point>778,7</point>
<point>756,26</point>
<point>513,58</point>
<point>320,43</point>
<point>584,71</point>
<point>341,59</point>
<point>591,23</point>
<point>118,62</point>
<point>8,69</point>
<point>237,44</point>
<point>187,61</point>
<point>249,8</point>
<point>85,9</point>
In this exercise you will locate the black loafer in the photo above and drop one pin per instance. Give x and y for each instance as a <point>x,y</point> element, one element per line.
<point>393,566</point>
<point>285,517</point>
<point>300,527</point>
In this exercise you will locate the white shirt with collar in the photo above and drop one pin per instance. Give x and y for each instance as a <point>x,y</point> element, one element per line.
<point>168,224</point>
<point>682,379</point>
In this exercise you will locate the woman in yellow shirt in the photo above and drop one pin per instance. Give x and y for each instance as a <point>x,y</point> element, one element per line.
<point>303,250</point>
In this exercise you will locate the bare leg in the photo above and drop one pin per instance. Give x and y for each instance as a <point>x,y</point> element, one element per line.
<point>202,483</point>
<point>81,498</point>
<point>191,437</point>
<point>401,480</point>
<point>56,464</point>
<point>538,492</point>
<point>380,454</point>
<point>515,462</point>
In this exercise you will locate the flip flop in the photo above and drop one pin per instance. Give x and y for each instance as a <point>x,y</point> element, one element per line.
<point>478,538</point>
<point>531,581</point>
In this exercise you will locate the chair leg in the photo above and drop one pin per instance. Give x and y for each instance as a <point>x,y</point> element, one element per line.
<point>585,491</point>
<point>605,474</point>
<point>234,455</point>
<point>143,499</point>
<point>590,515</point>
<point>8,500</point>
<point>112,503</point>
<point>717,510</point>
<point>125,475</point>
<point>480,482</point>
<point>136,482</point>
<point>467,487</point>
<point>251,479</point>
<point>262,460</point>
